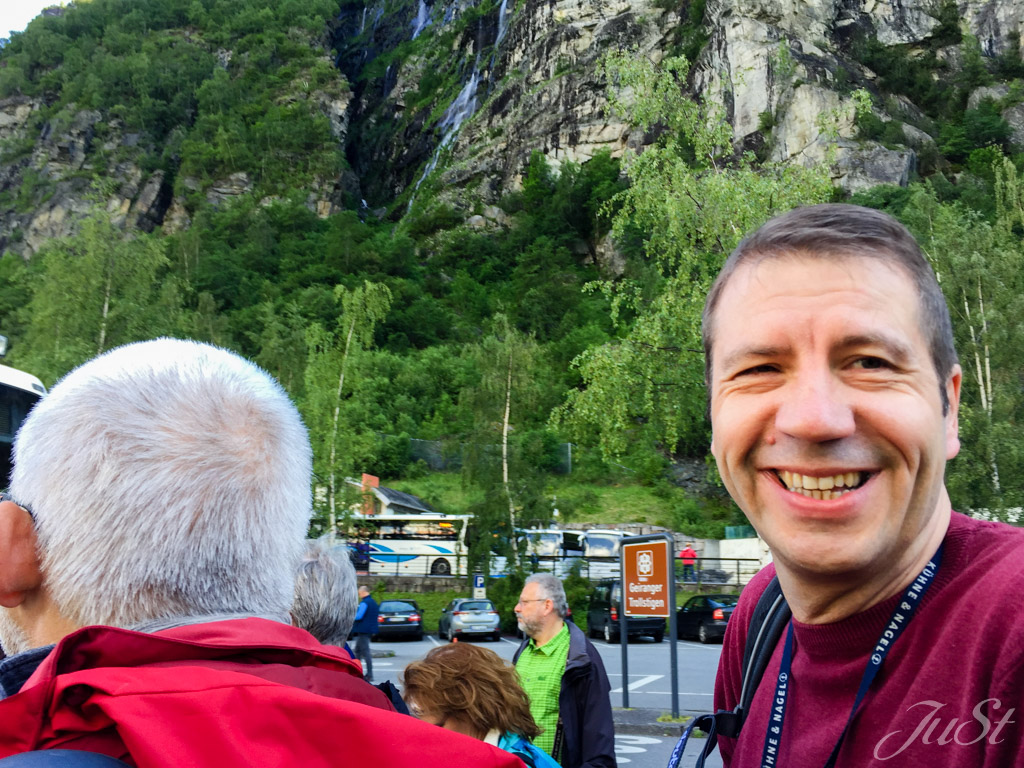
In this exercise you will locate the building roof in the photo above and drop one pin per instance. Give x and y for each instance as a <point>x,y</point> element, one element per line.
<point>393,497</point>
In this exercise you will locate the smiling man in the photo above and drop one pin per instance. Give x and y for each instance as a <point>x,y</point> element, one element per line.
<point>834,386</point>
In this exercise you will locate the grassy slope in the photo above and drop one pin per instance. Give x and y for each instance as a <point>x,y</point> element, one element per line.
<point>578,502</point>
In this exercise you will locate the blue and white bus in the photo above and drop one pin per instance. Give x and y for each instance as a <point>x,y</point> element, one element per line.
<point>413,544</point>
<point>19,391</point>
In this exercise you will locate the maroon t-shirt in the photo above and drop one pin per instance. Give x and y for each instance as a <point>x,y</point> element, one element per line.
<point>948,694</point>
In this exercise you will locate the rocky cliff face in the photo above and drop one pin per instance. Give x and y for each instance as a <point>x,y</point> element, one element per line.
<point>776,66</point>
<point>456,96</point>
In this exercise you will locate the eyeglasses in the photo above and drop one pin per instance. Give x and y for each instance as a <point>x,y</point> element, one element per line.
<point>534,600</point>
<point>4,496</point>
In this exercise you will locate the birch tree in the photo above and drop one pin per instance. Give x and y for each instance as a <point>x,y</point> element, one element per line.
<point>503,402</point>
<point>336,422</point>
<point>690,202</point>
<point>980,266</point>
<point>98,289</point>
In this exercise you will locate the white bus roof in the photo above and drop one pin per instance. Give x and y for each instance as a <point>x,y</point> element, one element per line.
<point>12,377</point>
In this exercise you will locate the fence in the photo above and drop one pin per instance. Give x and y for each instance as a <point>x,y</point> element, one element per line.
<point>706,572</point>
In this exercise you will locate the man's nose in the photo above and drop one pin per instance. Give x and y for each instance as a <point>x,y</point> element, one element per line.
<point>815,408</point>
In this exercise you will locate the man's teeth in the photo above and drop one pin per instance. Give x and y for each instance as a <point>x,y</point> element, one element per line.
<point>825,488</point>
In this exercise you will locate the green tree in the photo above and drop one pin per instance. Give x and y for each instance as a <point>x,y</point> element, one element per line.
<point>337,429</point>
<point>690,202</point>
<point>980,267</point>
<point>503,402</point>
<point>98,289</point>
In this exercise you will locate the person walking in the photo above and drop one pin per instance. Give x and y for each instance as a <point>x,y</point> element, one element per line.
<point>564,677</point>
<point>364,627</point>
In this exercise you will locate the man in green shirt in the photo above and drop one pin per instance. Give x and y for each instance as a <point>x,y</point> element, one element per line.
<point>564,677</point>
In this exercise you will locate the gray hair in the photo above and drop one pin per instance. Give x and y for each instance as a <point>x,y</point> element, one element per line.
<point>552,589</point>
<point>325,593</point>
<point>840,231</point>
<point>168,478</point>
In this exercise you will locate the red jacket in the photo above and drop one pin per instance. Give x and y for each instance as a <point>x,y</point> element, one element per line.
<point>247,692</point>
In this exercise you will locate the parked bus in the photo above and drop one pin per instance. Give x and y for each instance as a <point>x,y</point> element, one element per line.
<point>19,391</point>
<point>412,544</point>
<point>552,550</point>
<point>601,552</point>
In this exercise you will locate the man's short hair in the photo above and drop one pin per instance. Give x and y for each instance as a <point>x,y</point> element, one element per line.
<point>325,593</point>
<point>551,588</point>
<point>168,478</point>
<point>838,231</point>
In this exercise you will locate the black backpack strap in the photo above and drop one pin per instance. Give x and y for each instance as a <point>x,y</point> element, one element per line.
<point>771,615</point>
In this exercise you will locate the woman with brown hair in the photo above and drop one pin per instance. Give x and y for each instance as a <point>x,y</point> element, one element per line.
<point>472,690</point>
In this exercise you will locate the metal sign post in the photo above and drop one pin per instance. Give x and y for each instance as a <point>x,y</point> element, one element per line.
<point>648,589</point>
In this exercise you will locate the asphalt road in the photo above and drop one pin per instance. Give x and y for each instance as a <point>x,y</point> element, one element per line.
<point>649,681</point>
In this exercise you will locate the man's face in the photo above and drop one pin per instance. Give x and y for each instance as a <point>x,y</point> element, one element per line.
<point>826,413</point>
<point>532,610</point>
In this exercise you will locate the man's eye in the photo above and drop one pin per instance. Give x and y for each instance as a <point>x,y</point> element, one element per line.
<point>758,369</point>
<point>871,363</point>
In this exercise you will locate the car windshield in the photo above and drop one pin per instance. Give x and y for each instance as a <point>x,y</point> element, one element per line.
<point>397,605</point>
<point>725,601</point>
<point>477,605</point>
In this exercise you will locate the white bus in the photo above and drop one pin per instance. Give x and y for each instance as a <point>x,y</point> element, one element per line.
<point>551,549</point>
<point>601,552</point>
<point>19,391</point>
<point>411,544</point>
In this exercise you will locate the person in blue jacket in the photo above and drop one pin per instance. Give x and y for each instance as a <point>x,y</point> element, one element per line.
<point>365,626</point>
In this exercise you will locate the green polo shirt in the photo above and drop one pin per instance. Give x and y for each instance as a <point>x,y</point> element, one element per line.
<point>540,671</point>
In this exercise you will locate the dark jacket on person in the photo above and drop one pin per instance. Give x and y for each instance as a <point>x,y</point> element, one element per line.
<point>584,706</point>
<point>367,623</point>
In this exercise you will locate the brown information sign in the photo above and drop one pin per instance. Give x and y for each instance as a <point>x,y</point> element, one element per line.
<point>648,578</point>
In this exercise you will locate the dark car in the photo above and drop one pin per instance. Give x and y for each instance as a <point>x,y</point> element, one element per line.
<point>466,617</point>
<point>705,616</point>
<point>603,615</point>
<point>399,618</point>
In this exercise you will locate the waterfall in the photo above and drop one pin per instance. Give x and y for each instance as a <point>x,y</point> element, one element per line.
<point>502,22</point>
<point>456,114</point>
<point>362,23</point>
<point>422,19</point>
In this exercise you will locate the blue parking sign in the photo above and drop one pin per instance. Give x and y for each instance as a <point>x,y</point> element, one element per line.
<point>478,581</point>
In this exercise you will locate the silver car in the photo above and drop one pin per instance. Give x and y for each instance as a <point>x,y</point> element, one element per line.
<point>467,617</point>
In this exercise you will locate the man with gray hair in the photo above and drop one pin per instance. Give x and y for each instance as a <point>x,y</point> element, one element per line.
<point>564,677</point>
<point>325,593</point>
<point>159,502</point>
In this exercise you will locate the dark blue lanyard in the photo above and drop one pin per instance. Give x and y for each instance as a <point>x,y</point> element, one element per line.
<point>901,617</point>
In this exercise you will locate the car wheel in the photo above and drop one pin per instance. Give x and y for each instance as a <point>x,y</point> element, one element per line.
<point>496,637</point>
<point>451,635</point>
<point>440,634</point>
<point>659,636</point>
<point>440,567</point>
<point>702,634</point>
<point>419,635</point>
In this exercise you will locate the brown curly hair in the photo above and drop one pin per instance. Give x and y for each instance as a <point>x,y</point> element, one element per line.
<point>473,683</point>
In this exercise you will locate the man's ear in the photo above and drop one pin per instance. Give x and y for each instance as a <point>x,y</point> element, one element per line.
<point>19,560</point>
<point>952,414</point>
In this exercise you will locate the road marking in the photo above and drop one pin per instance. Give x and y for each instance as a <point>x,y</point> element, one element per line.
<point>628,744</point>
<point>638,683</point>
<point>511,642</point>
<point>433,639</point>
